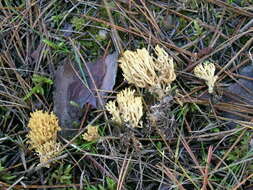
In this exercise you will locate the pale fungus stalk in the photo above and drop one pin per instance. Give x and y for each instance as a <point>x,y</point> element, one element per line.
<point>146,71</point>
<point>129,109</point>
<point>43,135</point>
<point>206,71</point>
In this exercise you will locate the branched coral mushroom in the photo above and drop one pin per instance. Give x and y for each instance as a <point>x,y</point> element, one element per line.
<point>206,72</point>
<point>146,71</point>
<point>43,134</point>
<point>129,108</point>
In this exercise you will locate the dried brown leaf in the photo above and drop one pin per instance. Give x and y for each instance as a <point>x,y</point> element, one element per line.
<point>72,93</point>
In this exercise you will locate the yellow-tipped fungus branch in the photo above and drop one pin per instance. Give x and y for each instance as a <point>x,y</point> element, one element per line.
<point>206,72</point>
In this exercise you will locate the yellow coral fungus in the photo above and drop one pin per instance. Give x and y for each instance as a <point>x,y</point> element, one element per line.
<point>43,134</point>
<point>114,111</point>
<point>146,71</point>
<point>47,151</point>
<point>129,109</point>
<point>91,134</point>
<point>206,72</point>
<point>165,66</point>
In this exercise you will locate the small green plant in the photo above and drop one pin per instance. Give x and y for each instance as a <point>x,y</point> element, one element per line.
<point>242,148</point>
<point>198,29</point>
<point>59,47</point>
<point>62,175</point>
<point>110,185</point>
<point>5,176</point>
<point>57,18</point>
<point>38,81</point>
<point>88,146</point>
<point>230,1</point>
<point>78,23</point>
<point>183,111</point>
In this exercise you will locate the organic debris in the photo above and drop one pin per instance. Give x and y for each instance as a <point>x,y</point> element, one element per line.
<point>161,118</point>
<point>72,93</point>
<point>43,134</point>
<point>185,141</point>
<point>146,71</point>
<point>128,110</point>
<point>206,72</point>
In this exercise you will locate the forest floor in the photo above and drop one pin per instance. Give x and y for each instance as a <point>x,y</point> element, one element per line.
<point>196,140</point>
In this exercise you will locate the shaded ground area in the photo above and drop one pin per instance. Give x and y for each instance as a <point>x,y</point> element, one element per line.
<point>194,145</point>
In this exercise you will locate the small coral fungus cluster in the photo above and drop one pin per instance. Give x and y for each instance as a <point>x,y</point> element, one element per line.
<point>128,110</point>
<point>43,135</point>
<point>91,134</point>
<point>206,72</point>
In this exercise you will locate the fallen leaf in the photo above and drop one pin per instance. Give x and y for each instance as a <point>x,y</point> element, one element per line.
<point>110,74</point>
<point>72,92</point>
<point>240,93</point>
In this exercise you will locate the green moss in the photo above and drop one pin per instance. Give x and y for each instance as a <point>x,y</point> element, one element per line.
<point>78,23</point>
<point>242,149</point>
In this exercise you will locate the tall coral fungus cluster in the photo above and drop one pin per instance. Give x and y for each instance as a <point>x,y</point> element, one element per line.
<point>146,71</point>
<point>43,135</point>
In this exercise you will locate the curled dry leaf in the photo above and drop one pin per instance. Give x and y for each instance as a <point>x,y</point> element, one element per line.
<point>72,93</point>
